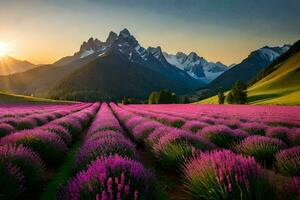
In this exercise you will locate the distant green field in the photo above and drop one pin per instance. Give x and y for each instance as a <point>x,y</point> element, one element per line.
<point>281,87</point>
<point>13,98</point>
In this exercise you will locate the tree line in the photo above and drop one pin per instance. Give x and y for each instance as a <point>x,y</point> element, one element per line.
<point>237,95</point>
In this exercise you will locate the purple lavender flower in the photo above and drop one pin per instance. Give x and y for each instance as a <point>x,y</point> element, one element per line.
<point>153,137</point>
<point>194,125</point>
<point>261,148</point>
<point>104,134</point>
<point>224,175</point>
<point>70,123</point>
<point>176,146</point>
<point>29,163</point>
<point>26,123</point>
<point>134,121</point>
<point>47,144</point>
<point>221,135</point>
<point>92,149</point>
<point>62,132</point>
<point>294,137</point>
<point>288,161</point>
<point>141,131</point>
<point>279,133</point>
<point>254,128</point>
<point>113,177</point>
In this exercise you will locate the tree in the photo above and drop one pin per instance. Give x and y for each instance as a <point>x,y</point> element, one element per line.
<point>152,98</point>
<point>239,93</point>
<point>125,101</point>
<point>162,97</point>
<point>186,100</point>
<point>221,97</point>
<point>229,98</point>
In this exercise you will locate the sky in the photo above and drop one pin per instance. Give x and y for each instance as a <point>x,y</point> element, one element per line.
<point>43,31</point>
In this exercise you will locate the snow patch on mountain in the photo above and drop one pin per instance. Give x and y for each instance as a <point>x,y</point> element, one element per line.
<point>87,53</point>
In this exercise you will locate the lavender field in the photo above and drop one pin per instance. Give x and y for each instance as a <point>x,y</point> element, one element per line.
<point>137,152</point>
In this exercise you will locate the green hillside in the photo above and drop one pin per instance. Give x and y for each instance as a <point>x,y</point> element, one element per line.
<point>282,86</point>
<point>13,98</point>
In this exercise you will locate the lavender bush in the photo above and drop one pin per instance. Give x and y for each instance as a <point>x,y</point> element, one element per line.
<point>221,135</point>
<point>47,144</point>
<point>225,175</point>
<point>92,149</point>
<point>6,129</point>
<point>288,161</point>
<point>11,181</point>
<point>254,128</point>
<point>113,177</point>
<point>262,148</point>
<point>172,148</point>
<point>29,163</point>
<point>279,133</point>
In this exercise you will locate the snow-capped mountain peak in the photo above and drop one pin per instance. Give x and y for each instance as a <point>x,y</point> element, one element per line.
<point>91,44</point>
<point>196,66</point>
<point>124,44</point>
<point>269,54</point>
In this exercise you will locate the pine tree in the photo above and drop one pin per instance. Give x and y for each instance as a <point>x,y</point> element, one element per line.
<point>239,93</point>
<point>229,98</point>
<point>221,97</point>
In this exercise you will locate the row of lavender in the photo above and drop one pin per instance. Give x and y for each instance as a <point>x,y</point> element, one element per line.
<point>106,165</point>
<point>214,173</point>
<point>34,116</point>
<point>26,154</point>
<point>287,115</point>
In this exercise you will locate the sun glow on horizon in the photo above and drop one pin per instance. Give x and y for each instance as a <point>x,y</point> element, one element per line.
<point>3,49</point>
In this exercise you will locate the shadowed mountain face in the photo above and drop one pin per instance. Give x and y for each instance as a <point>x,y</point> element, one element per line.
<point>103,79</point>
<point>120,57</point>
<point>9,65</point>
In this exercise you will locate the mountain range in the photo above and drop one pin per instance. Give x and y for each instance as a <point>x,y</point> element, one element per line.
<point>120,67</point>
<point>112,55</point>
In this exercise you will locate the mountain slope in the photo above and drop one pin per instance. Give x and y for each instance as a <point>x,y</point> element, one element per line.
<point>10,65</point>
<point>112,77</point>
<point>279,83</point>
<point>246,70</point>
<point>38,81</point>
<point>282,86</point>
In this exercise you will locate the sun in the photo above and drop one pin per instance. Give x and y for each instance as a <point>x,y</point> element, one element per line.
<point>3,49</point>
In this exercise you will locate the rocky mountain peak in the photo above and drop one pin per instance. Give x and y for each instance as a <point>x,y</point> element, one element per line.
<point>111,37</point>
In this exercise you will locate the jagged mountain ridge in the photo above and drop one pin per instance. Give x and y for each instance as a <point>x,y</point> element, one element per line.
<point>128,46</point>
